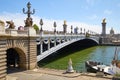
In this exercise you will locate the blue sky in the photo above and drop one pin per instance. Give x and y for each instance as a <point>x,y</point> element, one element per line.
<point>89,12</point>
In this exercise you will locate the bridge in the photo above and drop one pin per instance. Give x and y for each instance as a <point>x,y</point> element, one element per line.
<point>18,48</point>
<point>55,42</point>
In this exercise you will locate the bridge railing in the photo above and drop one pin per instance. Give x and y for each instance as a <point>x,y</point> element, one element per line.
<point>12,32</point>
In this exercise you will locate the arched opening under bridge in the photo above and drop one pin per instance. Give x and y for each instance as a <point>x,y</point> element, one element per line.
<point>16,60</point>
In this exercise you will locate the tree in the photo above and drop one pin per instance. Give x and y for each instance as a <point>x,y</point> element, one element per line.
<point>36,28</point>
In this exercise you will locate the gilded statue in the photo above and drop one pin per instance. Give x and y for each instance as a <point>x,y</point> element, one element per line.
<point>104,20</point>
<point>65,22</point>
<point>10,24</point>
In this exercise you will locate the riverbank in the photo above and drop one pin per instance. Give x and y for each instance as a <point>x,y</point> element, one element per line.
<point>52,74</point>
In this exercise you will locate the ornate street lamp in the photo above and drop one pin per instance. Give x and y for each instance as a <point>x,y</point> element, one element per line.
<point>77,30</point>
<point>41,23</point>
<point>84,31</point>
<point>71,29</point>
<point>81,30</point>
<point>54,27</point>
<point>28,21</point>
<point>28,11</point>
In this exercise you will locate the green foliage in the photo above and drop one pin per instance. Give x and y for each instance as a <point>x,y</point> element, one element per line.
<point>117,75</point>
<point>36,27</point>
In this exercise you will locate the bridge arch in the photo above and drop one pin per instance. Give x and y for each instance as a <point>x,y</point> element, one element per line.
<point>16,57</point>
<point>76,43</point>
<point>89,41</point>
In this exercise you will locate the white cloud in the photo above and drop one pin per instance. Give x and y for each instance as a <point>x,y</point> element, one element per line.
<point>90,2</point>
<point>93,17</point>
<point>118,4</point>
<point>18,19</point>
<point>108,12</point>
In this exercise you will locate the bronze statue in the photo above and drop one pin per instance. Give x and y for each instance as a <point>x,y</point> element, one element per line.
<point>28,22</point>
<point>10,24</point>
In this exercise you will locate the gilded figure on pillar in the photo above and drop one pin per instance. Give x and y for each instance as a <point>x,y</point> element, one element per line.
<point>104,20</point>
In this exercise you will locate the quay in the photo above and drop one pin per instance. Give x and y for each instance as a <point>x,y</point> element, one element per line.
<point>51,74</point>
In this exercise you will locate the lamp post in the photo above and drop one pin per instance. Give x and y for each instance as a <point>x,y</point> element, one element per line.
<point>55,32</point>
<point>54,27</point>
<point>28,11</point>
<point>41,40</point>
<point>76,30</point>
<point>28,21</point>
<point>84,31</point>
<point>71,29</point>
<point>41,23</point>
<point>81,30</point>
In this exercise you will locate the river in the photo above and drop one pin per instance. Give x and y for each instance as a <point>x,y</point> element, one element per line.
<point>102,54</point>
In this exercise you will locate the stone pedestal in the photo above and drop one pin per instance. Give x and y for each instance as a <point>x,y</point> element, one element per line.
<point>31,31</point>
<point>2,27</point>
<point>2,30</point>
<point>104,28</point>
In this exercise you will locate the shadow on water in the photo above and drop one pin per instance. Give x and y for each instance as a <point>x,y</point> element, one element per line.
<point>66,51</point>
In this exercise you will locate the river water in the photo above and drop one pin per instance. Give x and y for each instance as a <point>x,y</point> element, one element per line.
<point>102,54</point>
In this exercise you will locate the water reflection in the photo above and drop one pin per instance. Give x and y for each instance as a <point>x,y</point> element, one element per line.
<point>102,54</point>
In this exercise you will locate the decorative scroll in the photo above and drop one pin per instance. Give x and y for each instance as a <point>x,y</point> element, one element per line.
<point>52,41</point>
<point>58,40</point>
<point>46,41</point>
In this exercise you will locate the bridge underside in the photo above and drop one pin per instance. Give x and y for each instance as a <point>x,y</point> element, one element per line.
<point>78,45</point>
<point>84,43</point>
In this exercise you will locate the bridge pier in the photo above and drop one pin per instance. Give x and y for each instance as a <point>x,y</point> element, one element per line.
<point>24,46</point>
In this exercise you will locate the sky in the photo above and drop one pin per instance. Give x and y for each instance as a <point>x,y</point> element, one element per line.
<point>86,14</point>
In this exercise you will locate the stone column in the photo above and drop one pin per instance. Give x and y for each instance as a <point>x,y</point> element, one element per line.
<point>55,42</point>
<point>41,47</point>
<point>104,27</point>
<point>32,56</point>
<point>48,44</point>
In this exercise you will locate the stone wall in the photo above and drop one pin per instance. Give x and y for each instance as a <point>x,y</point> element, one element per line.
<point>25,47</point>
<point>3,59</point>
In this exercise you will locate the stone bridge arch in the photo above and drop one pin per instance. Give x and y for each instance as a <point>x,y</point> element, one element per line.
<point>26,48</point>
<point>22,57</point>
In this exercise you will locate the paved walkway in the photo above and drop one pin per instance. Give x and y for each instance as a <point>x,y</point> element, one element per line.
<point>50,74</point>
